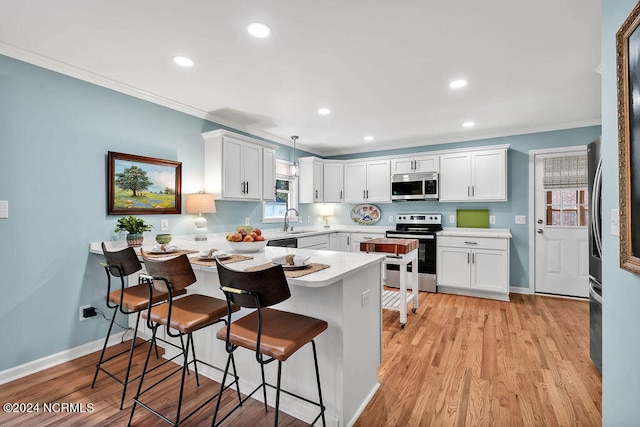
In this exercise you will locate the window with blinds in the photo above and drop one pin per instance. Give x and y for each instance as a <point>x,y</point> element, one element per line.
<point>565,183</point>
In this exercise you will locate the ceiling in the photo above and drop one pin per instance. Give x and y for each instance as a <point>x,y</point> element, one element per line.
<point>382,67</point>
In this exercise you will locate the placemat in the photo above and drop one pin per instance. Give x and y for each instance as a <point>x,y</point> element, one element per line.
<point>210,262</point>
<point>312,268</point>
<point>176,253</point>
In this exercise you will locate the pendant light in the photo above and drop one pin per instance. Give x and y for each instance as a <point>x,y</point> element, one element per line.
<point>295,169</point>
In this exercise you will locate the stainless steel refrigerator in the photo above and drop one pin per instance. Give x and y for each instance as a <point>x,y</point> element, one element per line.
<point>595,254</point>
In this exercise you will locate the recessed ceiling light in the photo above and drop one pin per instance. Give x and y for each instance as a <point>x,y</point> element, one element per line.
<point>469,124</point>
<point>368,138</point>
<point>324,111</point>
<point>259,30</point>
<point>457,84</point>
<point>183,61</point>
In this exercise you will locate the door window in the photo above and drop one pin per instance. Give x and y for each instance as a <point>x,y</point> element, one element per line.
<point>567,208</point>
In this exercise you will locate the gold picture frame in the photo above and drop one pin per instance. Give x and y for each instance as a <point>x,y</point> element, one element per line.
<point>628,77</point>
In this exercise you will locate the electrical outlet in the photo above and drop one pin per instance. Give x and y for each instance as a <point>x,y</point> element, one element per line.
<point>364,298</point>
<point>391,219</point>
<point>492,219</point>
<point>81,313</point>
<point>521,219</point>
<point>4,209</point>
<point>452,219</point>
<point>164,225</point>
<point>246,220</point>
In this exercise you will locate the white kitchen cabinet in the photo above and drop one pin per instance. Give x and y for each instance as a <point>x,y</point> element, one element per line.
<point>268,174</point>
<point>357,238</point>
<point>333,182</point>
<point>234,166</point>
<point>340,242</point>
<point>476,264</point>
<point>320,241</point>
<point>474,176</point>
<point>415,164</point>
<point>310,180</point>
<point>367,182</point>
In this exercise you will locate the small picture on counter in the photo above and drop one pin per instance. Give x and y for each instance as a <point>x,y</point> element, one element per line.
<point>143,185</point>
<point>365,214</point>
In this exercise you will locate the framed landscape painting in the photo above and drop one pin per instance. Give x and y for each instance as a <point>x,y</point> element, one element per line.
<point>143,185</point>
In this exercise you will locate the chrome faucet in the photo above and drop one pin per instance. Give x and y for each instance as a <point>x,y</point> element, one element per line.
<point>286,224</point>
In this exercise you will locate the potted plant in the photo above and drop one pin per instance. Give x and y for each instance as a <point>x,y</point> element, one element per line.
<point>134,227</point>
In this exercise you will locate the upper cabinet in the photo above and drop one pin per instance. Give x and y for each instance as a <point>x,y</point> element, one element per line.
<point>474,176</point>
<point>235,166</point>
<point>415,164</point>
<point>367,182</point>
<point>320,180</point>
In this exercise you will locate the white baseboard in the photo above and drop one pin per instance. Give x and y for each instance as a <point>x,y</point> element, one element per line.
<point>519,290</point>
<point>46,362</point>
<point>355,417</point>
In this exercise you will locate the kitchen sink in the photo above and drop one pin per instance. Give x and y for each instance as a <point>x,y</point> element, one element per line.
<point>296,232</point>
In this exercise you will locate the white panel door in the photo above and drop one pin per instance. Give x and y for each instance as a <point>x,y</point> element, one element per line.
<point>252,167</point>
<point>454,267</point>
<point>404,165</point>
<point>489,179</point>
<point>232,154</point>
<point>268,174</point>
<point>378,181</point>
<point>333,182</point>
<point>355,182</point>
<point>561,238</point>
<point>490,270</point>
<point>455,177</point>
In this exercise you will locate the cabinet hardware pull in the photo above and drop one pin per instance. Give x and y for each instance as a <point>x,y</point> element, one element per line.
<point>364,194</point>
<point>367,194</point>
<point>316,194</point>
<point>470,243</point>
<point>242,185</point>
<point>467,258</point>
<point>468,191</point>
<point>340,194</point>
<point>473,258</point>
<point>473,191</point>
<point>247,187</point>
<point>348,240</point>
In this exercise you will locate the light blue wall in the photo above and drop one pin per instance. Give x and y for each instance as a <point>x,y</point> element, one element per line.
<point>518,190</point>
<point>621,290</point>
<point>55,132</point>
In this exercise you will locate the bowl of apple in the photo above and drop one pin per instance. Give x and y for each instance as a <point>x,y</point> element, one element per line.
<point>243,241</point>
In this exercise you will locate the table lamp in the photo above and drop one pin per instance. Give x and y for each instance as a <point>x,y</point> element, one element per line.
<point>200,203</point>
<point>326,211</point>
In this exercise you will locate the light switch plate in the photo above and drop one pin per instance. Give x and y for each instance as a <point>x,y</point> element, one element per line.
<point>164,225</point>
<point>391,218</point>
<point>615,222</point>
<point>246,220</point>
<point>492,219</point>
<point>452,219</point>
<point>521,219</point>
<point>4,209</point>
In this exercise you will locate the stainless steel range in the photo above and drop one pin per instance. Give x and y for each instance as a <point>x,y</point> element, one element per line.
<point>424,228</point>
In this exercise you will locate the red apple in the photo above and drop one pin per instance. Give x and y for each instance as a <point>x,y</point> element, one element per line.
<point>230,237</point>
<point>259,238</point>
<point>237,237</point>
<point>247,238</point>
<point>257,231</point>
<point>252,234</point>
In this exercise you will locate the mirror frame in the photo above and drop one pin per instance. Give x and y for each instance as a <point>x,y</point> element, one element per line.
<point>628,40</point>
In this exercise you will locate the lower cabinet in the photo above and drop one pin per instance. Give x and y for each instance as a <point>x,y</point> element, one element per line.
<point>340,242</point>
<point>320,241</point>
<point>477,265</point>
<point>357,238</point>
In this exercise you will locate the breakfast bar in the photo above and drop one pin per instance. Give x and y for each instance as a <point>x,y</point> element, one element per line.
<point>346,294</point>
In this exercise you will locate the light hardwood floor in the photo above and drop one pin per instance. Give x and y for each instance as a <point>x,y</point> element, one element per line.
<point>460,361</point>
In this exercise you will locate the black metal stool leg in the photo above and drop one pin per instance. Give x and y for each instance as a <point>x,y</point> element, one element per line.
<point>315,362</point>
<point>104,348</point>
<point>131,349</point>
<point>236,378</point>
<point>195,361</point>
<point>278,392</point>
<point>224,379</point>
<point>185,369</point>
<point>264,388</point>
<point>144,370</point>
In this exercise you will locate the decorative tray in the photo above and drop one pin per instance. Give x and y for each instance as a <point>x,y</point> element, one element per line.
<point>365,214</point>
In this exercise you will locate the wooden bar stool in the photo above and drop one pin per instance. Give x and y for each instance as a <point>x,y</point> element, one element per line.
<point>180,316</point>
<point>272,334</point>
<point>127,300</point>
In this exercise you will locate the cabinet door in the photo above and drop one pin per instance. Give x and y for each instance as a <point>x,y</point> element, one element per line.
<point>378,181</point>
<point>268,174</point>
<point>426,164</point>
<point>455,177</point>
<point>317,181</point>
<point>490,270</point>
<point>232,165</point>
<point>404,165</point>
<point>489,175</point>
<point>355,182</point>
<point>252,168</point>
<point>453,267</point>
<point>333,182</point>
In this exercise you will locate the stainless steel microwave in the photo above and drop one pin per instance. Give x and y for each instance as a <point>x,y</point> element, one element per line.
<point>414,186</point>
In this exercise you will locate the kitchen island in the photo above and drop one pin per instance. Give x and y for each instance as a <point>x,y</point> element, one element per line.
<point>346,295</point>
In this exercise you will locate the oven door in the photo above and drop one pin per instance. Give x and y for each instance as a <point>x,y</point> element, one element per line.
<point>426,261</point>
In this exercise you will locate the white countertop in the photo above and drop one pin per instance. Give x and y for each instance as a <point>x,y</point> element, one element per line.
<point>342,264</point>
<point>277,233</point>
<point>499,233</point>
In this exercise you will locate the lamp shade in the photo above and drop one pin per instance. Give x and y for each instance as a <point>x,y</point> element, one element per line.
<point>326,210</point>
<point>200,203</point>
